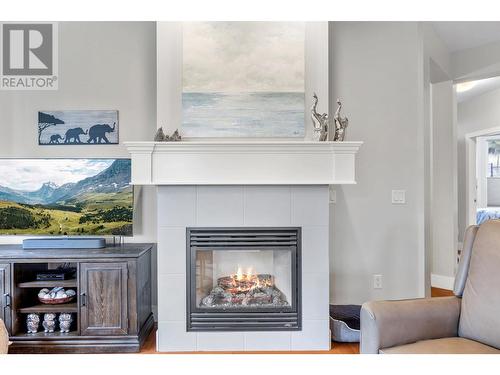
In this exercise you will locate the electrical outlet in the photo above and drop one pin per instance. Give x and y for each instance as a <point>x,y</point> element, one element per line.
<point>377,281</point>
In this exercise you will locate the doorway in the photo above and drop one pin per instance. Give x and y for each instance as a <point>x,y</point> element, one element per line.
<point>483,175</point>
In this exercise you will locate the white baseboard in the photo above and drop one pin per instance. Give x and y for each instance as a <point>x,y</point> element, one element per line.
<point>443,282</point>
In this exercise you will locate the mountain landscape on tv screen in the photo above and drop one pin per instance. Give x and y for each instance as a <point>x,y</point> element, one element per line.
<point>101,204</point>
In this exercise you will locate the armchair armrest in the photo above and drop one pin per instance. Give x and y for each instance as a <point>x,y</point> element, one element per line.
<point>385,324</point>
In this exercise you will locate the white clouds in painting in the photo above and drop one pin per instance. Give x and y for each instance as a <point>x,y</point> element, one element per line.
<point>243,56</point>
<point>31,174</point>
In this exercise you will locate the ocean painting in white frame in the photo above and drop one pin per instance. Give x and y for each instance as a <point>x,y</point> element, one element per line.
<point>243,79</point>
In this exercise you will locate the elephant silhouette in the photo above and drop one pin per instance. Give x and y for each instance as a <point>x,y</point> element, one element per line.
<point>97,133</point>
<point>55,138</point>
<point>73,135</point>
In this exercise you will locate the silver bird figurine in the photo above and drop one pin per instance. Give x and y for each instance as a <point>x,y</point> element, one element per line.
<point>340,124</point>
<point>320,122</point>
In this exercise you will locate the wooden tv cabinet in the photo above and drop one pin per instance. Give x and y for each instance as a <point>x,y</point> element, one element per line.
<point>112,312</point>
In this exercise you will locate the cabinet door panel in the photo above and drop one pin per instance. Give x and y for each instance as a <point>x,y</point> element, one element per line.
<point>103,299</point>
<point>5,297</point>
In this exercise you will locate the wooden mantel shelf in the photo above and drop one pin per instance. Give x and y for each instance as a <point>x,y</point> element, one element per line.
<point>243,162</point>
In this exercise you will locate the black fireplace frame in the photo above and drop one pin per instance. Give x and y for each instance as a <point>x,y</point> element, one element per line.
<point>244,319</point>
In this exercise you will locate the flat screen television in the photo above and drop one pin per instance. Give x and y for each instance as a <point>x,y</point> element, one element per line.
<point>66,197</point>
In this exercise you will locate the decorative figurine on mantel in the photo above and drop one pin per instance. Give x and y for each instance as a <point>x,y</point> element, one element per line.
<point>340,124</point>
<point>160,136</point>
<point>175,137</point>
<point>320,122</point>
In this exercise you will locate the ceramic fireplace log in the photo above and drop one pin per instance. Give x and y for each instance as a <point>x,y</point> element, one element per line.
<point>234,285</point>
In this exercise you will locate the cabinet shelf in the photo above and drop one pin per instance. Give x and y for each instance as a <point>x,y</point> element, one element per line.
<point>41,308</point>
<point>46,335</point>
<point>48,284</point>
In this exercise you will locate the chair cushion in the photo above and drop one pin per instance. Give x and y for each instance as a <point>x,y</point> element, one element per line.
<point>480,313</point>
<point>450,345</point>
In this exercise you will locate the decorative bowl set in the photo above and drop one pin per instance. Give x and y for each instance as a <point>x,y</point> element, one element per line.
<point>56,296</point>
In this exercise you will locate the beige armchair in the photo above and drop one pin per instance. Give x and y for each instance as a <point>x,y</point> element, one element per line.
<point>469,322</point>
<point>4,338</point>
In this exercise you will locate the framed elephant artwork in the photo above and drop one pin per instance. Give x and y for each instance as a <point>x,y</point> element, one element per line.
<point>79,127</point>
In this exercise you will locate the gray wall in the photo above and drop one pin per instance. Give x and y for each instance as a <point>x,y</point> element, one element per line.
<point>376,69</point>
<point>102,65</point>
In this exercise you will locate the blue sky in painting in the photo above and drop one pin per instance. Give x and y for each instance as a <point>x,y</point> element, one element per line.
<point>31,174</point>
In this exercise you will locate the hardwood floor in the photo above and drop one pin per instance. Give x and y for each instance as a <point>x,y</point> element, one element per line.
<point>337,347</point>
<point>437,292</point>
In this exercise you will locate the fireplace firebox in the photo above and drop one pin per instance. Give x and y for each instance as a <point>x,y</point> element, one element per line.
<point>243,279</point>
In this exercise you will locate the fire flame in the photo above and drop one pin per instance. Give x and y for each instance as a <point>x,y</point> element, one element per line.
<point>249,275</point>
<point>239,274</point>
<point>247,279</point>
<point>244,281</point>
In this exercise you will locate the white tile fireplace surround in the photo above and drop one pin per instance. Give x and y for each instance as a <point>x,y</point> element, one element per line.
<point>232,206</point>
<point>289,200</point>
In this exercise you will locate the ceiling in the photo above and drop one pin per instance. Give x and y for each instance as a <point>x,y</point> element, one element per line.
<point>460,35</point>
<point>482,86</point>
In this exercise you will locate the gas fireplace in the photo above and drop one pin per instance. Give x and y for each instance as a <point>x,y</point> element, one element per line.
<point>243,279</point>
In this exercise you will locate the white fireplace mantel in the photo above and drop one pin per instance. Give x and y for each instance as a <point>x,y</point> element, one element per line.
<point>243,162</point>
<point>300,172</point>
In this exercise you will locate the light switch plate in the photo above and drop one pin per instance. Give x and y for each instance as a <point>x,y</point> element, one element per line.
<point>399,197</point>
